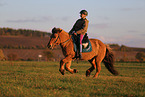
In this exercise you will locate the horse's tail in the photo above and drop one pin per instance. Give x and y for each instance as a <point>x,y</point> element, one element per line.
<point>109,61</point>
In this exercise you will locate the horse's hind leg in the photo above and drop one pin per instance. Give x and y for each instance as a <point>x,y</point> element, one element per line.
<point>88,72</point>
<point>98,61</point>
<point>67,67</point>
<point>98,69</point>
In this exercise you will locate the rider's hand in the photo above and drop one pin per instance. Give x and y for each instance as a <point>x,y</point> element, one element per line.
<point>75,34</point>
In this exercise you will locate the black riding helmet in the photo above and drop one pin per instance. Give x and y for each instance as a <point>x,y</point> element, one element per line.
<point>84,12</point>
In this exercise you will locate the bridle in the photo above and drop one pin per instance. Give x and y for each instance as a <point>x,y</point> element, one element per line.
<point>62,43</point>
<point>57,39</point>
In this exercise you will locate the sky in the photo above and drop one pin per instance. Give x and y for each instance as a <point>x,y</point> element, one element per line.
<point>112,21</point>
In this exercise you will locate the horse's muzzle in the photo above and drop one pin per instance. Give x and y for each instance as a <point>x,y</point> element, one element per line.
<point>50,46</point>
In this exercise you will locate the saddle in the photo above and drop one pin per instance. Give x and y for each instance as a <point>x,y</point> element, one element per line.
<point>86,44</point>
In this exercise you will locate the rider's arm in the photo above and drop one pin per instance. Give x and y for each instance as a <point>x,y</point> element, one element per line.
<point>73,29</point>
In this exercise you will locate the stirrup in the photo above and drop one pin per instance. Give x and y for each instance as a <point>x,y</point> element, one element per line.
<point>80,56</point>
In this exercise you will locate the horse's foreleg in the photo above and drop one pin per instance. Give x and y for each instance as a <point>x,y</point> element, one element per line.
<point>63,62</point>
<point>67,67</point>
<point>88,72</point>
<point>62,70</point>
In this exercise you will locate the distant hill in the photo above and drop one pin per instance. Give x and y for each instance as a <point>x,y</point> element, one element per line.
<point>23,38</point>
<point>116,47</point>
<point>23,42</point>
<point>124,53</point>
<point>27,48</point>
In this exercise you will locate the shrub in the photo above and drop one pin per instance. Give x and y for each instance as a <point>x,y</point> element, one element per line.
<point>140,56</point>
<point>48,54</point>
<point>12,57</point>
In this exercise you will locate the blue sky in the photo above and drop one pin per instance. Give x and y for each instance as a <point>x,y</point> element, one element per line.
<point>111,21</point>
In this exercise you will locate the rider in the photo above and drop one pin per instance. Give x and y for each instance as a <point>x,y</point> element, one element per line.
<point>79,29</point>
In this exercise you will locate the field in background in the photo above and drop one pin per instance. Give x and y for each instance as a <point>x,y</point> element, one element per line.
<point>43,79</point>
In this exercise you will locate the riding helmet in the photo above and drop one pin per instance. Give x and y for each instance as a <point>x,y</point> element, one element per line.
<point>84,12</point>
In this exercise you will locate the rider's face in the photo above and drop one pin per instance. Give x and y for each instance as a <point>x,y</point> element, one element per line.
<point>83,16</point>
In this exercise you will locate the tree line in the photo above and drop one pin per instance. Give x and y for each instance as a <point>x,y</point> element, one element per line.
<point>22,32</point>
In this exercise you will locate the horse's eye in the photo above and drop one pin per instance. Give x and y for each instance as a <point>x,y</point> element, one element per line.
<point>53,36</point>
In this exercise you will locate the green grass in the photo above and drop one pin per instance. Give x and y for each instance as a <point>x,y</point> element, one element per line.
<point>31,79</point>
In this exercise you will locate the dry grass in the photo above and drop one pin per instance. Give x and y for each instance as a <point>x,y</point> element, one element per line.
<point>29,79</point>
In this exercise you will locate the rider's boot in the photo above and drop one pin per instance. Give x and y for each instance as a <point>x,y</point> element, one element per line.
<point>80,52</point>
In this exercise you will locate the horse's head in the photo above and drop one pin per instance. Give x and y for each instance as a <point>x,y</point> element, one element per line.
<point>54,39</point>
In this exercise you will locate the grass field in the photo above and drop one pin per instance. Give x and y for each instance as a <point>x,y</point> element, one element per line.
<point>31,79</point>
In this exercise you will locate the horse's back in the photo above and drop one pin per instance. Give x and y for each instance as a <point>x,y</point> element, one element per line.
<point>97,42</point>
<point>97,46</point>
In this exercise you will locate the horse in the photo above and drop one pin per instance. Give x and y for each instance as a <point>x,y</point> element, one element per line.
<point>100,53</point>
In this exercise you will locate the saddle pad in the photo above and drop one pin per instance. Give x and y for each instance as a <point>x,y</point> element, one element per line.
<point>88,48</point>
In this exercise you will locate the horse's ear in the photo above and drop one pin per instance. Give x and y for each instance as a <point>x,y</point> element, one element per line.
<point>54,30</point>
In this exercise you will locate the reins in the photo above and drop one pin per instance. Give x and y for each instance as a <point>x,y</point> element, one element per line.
<point>60,40</point>
<point>65,41</point>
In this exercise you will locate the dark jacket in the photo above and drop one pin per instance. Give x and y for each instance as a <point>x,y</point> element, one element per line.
<point>80,27</point>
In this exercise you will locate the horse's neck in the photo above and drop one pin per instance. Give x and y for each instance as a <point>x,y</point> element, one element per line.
<point>65,39</point>
<point>64,36</point>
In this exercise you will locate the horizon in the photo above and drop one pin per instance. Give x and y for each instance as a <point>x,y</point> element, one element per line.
<point>116,21</point>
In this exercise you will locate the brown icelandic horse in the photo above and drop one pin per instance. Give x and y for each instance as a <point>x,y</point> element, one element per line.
<point>100,53</point>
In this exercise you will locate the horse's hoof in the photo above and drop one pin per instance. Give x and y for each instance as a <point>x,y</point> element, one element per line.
<point>75,71</point>
<point>87,73</point>
<point>94,77</point>
<point>62,71</point>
